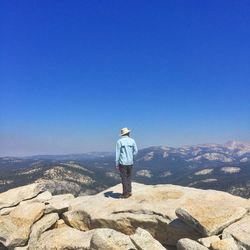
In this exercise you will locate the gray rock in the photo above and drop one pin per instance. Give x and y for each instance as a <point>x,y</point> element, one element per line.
<point>60,223</point>
<point>208,240</point>
<point>226,244</point>
<point>77,219</point>
<point>143,240</point>
<point>29,212</point>
<point>42,197</point>
<point>105,215</point>
<point>64,238</point>
<point>240,231</point>
<point>187,244</point>
<point>40,226</point>
<point>104,238</point>
<point>105,210</point>
<point>208,211</point>
<point>13,196</point>
<point>15,227</point>
<point>58,203</point>
<point>78,201</point>
<point>211,218</point>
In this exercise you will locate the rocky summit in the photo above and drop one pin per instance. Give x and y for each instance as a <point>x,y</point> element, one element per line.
<point>155,217</point>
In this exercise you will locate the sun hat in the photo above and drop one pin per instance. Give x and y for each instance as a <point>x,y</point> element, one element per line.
<point>124,131</point>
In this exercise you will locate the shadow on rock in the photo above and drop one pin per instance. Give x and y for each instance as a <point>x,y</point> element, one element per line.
<point>112,195</point>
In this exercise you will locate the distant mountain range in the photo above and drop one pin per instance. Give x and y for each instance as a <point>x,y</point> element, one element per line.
<point>223,167</point>
<point>233,151</point>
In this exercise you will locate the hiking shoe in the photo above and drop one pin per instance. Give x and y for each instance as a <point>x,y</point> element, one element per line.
<point>124,196</point>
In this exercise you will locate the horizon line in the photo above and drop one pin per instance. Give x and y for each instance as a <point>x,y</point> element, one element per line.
<point>111,152</point>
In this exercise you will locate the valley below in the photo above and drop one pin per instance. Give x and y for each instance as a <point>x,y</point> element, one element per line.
<point>207,166</point>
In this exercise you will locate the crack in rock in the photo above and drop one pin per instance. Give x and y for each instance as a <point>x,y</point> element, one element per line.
<point>143,211</point>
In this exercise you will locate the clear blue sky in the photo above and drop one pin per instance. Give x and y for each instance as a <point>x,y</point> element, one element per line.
<point>72,73</point>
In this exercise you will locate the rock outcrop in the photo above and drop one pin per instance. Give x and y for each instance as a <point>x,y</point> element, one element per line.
<point>63,238</point>
<point>13,196</point>
<point>150,207</point>
<point>143,240</point>
<point>105,238</point>
<point>15,227</point>
<point>209,240</point>
<point>226,244</point>
<point>240,232</point>
<point>187,244</point>
<point>58,203</point>
<point>213,211</point>
<point>155,217</point>
<point>47,221</point>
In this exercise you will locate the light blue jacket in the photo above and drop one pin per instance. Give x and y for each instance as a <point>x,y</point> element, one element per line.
<point>126,149</point>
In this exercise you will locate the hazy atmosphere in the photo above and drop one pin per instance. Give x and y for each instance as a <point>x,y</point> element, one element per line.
<point>73,73</point>
<point>125,125</point>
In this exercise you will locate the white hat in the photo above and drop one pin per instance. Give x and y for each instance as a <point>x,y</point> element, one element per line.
<point>124,131</point>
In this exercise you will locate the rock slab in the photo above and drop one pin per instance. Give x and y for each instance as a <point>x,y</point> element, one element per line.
<point>240,231</point>
<point>213,214</point>
<point>104,238</point>
<point>143,240</point>
<point>106,210</point>
<point>187,244</point>
<point>208,240</point>
<point>40,226</point>
<point>226,244</point>
<point>58,203</point>
<point>15,228</point>
<point>14,196</point>
<point>64,238</point>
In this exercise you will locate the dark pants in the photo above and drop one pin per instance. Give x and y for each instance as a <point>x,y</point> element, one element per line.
<point>125,172</point>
